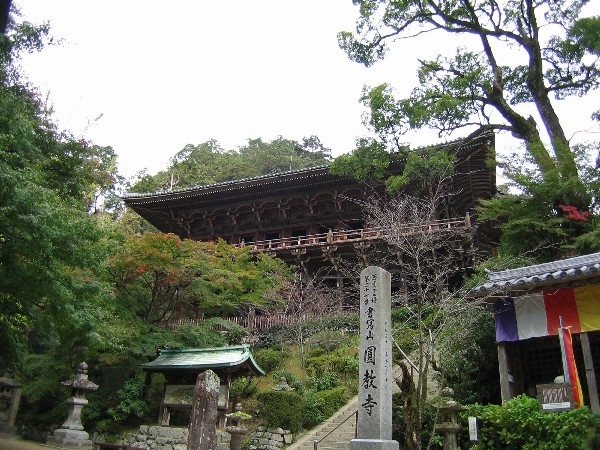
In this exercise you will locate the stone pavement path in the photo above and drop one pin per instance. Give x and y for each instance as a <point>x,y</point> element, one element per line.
<point>18,444</point>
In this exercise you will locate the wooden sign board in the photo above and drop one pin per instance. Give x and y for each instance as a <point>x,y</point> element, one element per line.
<point>555,397</point>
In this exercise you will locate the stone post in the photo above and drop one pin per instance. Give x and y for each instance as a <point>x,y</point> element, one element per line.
<point>10,396</point>
<point>374,423</point>
<point>203,425</point>
<point>71,434</point>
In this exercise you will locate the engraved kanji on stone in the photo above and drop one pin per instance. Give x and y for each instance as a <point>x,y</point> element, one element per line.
<point>370,311</point>
<point>369,356</point>
<point>368,380</point>
<point>369,404</point>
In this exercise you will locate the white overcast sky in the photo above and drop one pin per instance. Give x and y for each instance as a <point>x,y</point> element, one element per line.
<point>148,77</point>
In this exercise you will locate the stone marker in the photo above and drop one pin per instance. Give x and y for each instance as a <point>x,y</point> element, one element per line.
<point>374,424</point>
<point>10,395</point>
<point>71,434</point>
<point>203,424</point>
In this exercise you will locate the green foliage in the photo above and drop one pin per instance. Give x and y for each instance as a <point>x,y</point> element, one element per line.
<point>327,339</point>
<point>156,274</point>
<point>347,323</point>
<point>321,405</point>
<point>399,425</point>
<point>131,402</point>
<point>244,387</point>
<point>332,399</point>
<point>369,162</point>
<point>209,163</point>
<point>462,347</point>
<point>482,86</point>
<point>313,411</point>
<point>519,424</point>
<point>281,409</point>
<point>268,358</point>
<point>322,382</point>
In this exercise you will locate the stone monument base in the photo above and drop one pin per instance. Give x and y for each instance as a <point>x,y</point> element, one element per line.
<point>70,439</point>
<point>373,444</point>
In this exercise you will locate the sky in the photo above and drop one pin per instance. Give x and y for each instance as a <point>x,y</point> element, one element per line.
<point>148,79</point>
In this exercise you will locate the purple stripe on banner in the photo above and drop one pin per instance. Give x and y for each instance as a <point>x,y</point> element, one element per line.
<point>506,320</point>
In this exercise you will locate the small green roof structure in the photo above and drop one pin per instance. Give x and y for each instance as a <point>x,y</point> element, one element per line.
<point>181,368</point>
<point>236,359</point>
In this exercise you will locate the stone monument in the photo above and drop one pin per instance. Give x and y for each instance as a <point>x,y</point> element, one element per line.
<point>203,423</point>
<point>71,434</point>
<point>10,395</point>
<point>374,422</point>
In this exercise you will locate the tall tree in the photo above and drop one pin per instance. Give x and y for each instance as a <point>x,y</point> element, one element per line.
<point>477,87</point>
<point>49,244</point>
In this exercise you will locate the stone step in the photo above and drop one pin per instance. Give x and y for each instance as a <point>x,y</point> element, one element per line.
<point>334,446</point>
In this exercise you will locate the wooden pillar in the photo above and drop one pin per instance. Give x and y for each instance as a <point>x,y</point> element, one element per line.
<point>503,366</point>
<point>590,375</point>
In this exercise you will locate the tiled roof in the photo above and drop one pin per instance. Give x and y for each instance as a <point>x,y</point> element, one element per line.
<point>203,359</point>
<point>531,276</point>
<point>199,187</point>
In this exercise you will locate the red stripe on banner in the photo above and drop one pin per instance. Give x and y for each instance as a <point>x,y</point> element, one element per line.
<point>573,375</point>
<point>561,302</point>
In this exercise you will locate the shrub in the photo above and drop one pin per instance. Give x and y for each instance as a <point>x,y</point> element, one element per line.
<point>322,383</point>
<point>347,365</point>
<point>323,404</point>
<point>268,358</point>
<point>332,400</point>
<point>519,424</point>
<point>313,410</point>
<point>281,409</point>
<point>131,402</point>
<point>244,387</point>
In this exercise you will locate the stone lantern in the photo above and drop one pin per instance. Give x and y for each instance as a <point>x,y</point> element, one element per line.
<point>449,425</point>
<point>10,395</point>
<point>71,434</point>
<point>237,429</point>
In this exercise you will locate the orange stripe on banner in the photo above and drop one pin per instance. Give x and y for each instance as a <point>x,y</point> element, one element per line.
<point>572,367</point>
<point>588,305</point>
<point>561,302</point>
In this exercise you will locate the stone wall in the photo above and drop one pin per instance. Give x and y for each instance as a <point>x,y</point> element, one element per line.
<point>270,438</point>
<point>168,438</point>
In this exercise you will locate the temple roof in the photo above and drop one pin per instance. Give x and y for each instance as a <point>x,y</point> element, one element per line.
<point>229,189</point>
<point>530,277</point>
<point>318,173</point>
<point>200,359</point>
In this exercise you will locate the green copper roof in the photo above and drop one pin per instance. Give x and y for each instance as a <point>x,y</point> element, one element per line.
<point>204,359</point>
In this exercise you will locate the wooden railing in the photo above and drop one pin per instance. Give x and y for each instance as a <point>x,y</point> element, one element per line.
<point>350,236</point>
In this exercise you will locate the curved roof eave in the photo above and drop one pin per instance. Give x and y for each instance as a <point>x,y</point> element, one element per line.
<point>539,275</point>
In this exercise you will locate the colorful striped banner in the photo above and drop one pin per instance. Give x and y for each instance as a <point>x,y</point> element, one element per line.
<point>570,368</point>
<point>536,315</point>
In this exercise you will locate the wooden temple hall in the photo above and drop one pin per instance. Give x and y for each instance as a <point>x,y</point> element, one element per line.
<point>307,217</point>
